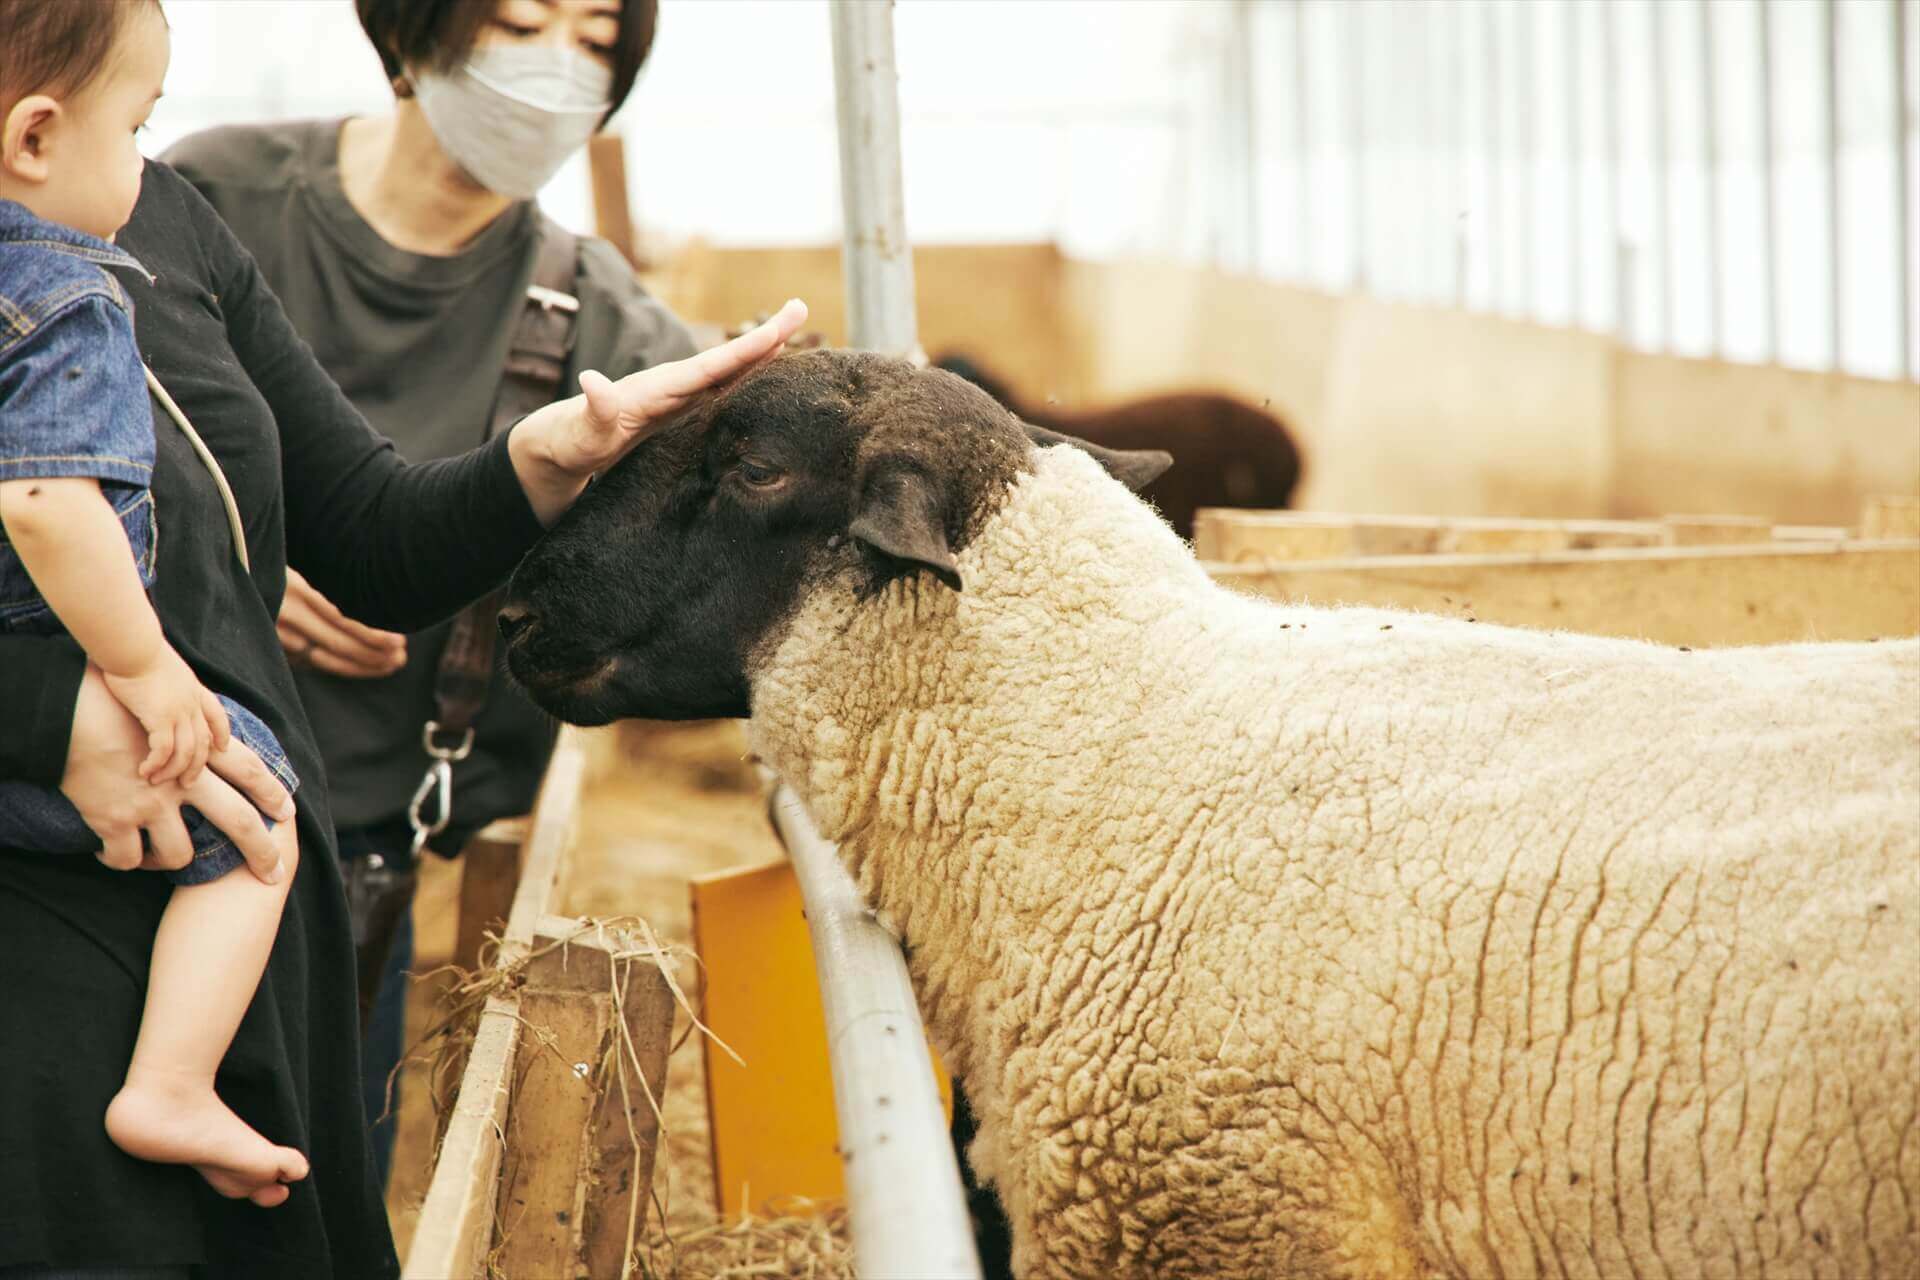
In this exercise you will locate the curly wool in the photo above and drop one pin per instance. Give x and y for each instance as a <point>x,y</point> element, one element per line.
<point>1337,942</point>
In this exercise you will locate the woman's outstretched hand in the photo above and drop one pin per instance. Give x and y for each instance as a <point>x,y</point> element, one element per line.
<point>103,781</point>
<point>556,450</point>
<point>316,634</point>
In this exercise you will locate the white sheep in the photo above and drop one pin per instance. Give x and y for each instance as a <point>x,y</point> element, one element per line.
<point>1276,941</point>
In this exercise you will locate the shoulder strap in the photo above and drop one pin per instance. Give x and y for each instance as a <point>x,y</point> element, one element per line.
<point>212,464</point>
<point>536,368</point>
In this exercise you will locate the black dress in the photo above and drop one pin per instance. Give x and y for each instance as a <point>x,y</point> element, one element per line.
<point>396,545</point>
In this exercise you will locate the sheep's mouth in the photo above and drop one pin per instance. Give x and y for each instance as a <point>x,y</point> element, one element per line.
<point>573,693</point>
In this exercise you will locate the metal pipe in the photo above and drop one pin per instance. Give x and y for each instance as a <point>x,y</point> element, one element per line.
<point>1710,163</point>
<point>1496,190</point>
<point>1576,213</point>
<point>1903,234</point>
<point>1303,137</point>
<point>1523,93</point>
<point>1357,122</point>
<point>905,1206</point>
<point>1836,295</point>
<point>1770,196</point>
<point>1662,197</point>
<point>1610,160</point>
<point>877,260</point>
<point>1457,119</point>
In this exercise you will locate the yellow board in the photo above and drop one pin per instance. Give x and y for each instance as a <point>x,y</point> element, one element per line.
<point>774,1134</point>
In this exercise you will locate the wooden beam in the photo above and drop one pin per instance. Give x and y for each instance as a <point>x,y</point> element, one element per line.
<point>489,878</point>
<point>1716,531</point>
<point>612,214</point>
<point>1235,536</point>
<point>456,1227</point>
<point>1697,596</point>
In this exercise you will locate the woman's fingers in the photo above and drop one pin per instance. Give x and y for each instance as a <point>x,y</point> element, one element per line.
<point>645,397</point>
<point>169,845</point>
<point>228,810</point>
<point>245,772</point>
<point>312,629</point>
<point>120,848</point>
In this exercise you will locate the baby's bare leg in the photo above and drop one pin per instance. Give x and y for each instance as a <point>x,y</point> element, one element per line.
<point>207,960</point>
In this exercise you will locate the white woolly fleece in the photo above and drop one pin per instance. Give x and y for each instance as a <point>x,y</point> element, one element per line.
<point>1294,941</point>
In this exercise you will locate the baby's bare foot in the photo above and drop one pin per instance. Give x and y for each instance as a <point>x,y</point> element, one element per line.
<point>171,1121</point>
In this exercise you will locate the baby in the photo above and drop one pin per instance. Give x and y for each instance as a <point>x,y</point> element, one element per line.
<point>77,81</point>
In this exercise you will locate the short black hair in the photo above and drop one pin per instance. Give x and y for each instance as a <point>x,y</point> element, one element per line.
<point>55,46</point>
<point>440,34</point>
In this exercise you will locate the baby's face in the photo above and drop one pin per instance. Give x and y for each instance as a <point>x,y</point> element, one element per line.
<point>94,163</point>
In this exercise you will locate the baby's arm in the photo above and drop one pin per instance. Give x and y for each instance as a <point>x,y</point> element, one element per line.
<point>72,544</point>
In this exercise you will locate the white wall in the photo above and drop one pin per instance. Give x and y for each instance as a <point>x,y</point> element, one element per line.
<point>1503,155</point>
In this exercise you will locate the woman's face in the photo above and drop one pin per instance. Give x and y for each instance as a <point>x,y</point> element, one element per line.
<point>591,26</point>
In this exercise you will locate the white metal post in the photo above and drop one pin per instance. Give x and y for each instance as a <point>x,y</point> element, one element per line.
<point>1710,163</point>
<point>1836,290</point>
<point>877,260</point>
<point>1903,234</point>
<point>1770,195</point>
<point>905,1206</point>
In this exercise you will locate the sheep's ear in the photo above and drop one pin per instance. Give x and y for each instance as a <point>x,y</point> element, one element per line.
<point>1134,468</point>
<point>899,514</point>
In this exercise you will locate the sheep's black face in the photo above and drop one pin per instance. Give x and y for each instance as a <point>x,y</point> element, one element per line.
<point>649,596</point>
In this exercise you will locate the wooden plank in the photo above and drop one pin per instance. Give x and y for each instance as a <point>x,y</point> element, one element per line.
<point>455,1231</point>
<point>1890,516</point>
<point>612,214</point>
<point>1810,533</point>
<point>625,1137</point>
<point>1232,536</point>
<point>1696,596</point>
<point>489,877</point>
<point>1716,531</point>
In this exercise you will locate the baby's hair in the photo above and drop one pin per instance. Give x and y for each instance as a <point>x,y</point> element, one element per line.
<point>56,46</point>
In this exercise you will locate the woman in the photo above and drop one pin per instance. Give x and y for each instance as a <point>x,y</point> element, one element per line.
<point>402,247</point>
<point>398,545</point>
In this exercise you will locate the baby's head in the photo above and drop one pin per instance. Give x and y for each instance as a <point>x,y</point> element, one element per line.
<point>78,79</point>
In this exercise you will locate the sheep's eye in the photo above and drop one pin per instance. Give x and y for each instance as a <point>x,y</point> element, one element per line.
<point>757,474</point>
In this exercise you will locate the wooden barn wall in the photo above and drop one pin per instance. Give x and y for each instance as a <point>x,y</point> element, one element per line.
<point>1400,408</point>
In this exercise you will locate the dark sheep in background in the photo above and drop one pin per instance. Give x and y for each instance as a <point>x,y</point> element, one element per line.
<point>1226,453</point>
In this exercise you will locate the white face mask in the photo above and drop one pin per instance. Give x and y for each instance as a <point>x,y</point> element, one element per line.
<point>511,116</point>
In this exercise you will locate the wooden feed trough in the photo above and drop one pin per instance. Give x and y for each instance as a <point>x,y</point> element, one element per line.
<point>1686,580</point>
<point>547,1158</point>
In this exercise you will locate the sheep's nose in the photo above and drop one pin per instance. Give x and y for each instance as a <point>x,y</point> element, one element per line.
<point>514,619</point>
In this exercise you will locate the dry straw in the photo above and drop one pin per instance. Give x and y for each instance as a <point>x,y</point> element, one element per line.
<point>799,1238</point>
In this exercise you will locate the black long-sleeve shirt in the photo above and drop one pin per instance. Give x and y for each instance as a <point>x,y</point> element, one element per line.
<point>399,546</point>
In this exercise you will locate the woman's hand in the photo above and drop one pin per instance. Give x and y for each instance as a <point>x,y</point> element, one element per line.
<point>103,782</point>
<point>316,634</point>
<point>556,450</point>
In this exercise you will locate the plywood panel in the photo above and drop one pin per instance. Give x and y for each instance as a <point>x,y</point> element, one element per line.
<point>1794,446</point>
<point>1002,302</point>
<point>1440,412</point>
<point>1702,596</point>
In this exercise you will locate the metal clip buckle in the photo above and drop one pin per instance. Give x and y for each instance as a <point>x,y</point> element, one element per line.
<point>438,779</point>
<point>437,783</point>
<point>438,752</point>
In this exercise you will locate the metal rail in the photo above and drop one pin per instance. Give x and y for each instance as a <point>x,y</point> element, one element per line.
<point>876,258</point>
<point>904,1200</point>
<point>905,1204</point>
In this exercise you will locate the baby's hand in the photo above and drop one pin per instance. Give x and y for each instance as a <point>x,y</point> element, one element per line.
<point>184,722</point>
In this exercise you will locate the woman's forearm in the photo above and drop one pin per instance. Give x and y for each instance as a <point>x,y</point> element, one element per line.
<point>73,546</point>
